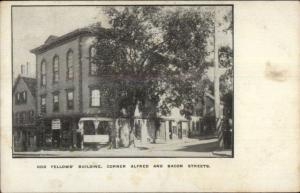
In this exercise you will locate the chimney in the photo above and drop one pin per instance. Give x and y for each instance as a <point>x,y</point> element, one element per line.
<point>25,69</point>
<point>22,69</point>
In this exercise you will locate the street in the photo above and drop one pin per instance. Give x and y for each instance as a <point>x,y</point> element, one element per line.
<point>183,148</point>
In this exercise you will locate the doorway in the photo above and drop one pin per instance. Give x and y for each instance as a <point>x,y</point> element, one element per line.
<point>170,130</point>
<point>56,137</point>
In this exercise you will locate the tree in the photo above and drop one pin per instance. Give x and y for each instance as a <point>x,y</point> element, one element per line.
<point>226,61</point>
<point>155,57</point>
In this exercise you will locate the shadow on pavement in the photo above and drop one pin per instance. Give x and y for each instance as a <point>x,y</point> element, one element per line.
<point>206,147</point>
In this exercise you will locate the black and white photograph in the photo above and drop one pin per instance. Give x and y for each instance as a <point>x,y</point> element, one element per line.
<point>136,81</point>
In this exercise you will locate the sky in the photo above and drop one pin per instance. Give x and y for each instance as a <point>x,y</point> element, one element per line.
<point>33,25</point>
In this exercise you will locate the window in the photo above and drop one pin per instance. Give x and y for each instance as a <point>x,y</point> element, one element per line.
<point>17,98</point>
<point>89,128</point>
<point>70,99</point>
<point>103,128</point>
<point>22,117</point>
<point>17,118</point>
<point>31,116</point>
<point>24,97</point>
<point>26,117</point>
<point>55,69</point>
<point>43,73</point>
<point>55,102</point>
<point>43,104</point>
<point>70,70</point>
<point>21,98</point>
<point>123,93</point>
<point>93,66</point>
<point>95,97</point>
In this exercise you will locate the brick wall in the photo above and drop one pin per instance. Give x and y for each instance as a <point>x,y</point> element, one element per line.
<point>63,84</point>
<point>92,81</point>
<point>80,47</point>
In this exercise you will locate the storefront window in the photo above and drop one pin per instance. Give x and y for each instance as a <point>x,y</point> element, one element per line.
<point>103,128</point>
<point>89,128</point>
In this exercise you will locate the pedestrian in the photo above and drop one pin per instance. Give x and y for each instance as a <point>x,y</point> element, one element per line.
<point>131,139</point>
<point>24,143</point>
<point>111,137</point>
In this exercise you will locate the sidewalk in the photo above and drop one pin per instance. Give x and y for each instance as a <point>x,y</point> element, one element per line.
<point>179,148</point>
<point>223,153</point>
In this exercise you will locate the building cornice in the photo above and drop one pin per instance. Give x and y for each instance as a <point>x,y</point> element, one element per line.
<point>61,39</point>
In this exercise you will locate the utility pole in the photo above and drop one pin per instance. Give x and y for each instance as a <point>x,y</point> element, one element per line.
<point>217,83</point>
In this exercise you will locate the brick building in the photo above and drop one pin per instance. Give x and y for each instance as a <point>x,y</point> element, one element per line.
<point>72,97</point>
<point>68,87</point>
<point>24,114</point>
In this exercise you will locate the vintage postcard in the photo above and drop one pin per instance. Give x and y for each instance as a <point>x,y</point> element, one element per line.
<point>129,81</point>
<point>149,96</point>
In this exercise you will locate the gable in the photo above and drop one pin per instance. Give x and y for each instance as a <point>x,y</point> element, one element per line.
<point>22,86</point>
<point>50,39</point>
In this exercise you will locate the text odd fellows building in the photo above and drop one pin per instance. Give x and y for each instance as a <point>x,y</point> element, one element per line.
<point>24,113</point>
<point>69,88</point>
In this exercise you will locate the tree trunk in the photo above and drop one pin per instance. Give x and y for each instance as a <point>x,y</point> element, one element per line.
<point>124,132</point>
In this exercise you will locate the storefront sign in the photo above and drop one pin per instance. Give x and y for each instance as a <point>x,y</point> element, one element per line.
<point>96,139</point>
<point>56,124</point>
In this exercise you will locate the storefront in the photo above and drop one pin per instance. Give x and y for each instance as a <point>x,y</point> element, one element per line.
<point>95,131</point>
<point>57,133</point>
<point>25,138</point>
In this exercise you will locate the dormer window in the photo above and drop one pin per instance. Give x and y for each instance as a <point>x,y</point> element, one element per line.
<point>21,98</point>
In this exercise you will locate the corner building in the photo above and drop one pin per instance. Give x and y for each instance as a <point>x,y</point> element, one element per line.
<point>71,97</point>
<point>68,87</point>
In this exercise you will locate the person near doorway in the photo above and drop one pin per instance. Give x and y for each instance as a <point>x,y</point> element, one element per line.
<point>112,137</point>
